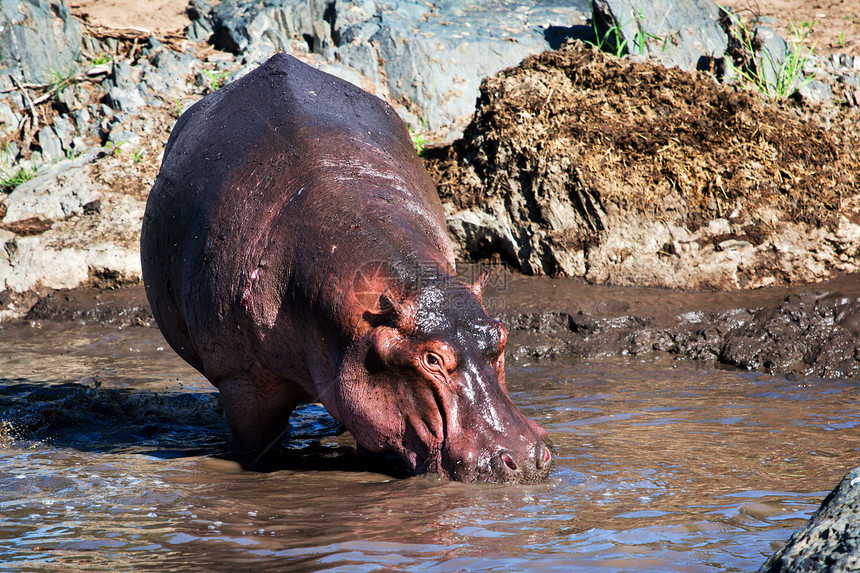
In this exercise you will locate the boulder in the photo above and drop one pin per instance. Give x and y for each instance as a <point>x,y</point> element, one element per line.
<point>435,60</point>
<point>61,231</point>
<point>433,57</point>
<point>38,39</point>
<point>830,541</point>
<point>243,26</point>
<point>57,193</point>
<point>682,33</point>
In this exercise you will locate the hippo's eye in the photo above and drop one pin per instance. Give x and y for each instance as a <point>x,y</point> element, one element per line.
<point>438,362</point>
<point>433,362</point>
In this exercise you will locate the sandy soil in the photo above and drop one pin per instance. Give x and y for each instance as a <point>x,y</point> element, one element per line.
<point>832,25</point>
<point>156,17</point>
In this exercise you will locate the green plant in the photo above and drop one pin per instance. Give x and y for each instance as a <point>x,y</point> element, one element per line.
<point>841,39</point>
<point>101,59</point>
<point>60,80</point>
<point>612,37</point>
<point>70,154</point>
<point>114,148</point>
<point>642,36</point>
<point>787,75</point>
<point>216,80</point>
<point>178,106</point>
<point>418,139</point>
<point>137,155</point>
<point>8,182</point>
<point>614,40</point>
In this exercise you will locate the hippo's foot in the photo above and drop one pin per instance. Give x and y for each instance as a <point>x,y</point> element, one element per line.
<point>258,409</point>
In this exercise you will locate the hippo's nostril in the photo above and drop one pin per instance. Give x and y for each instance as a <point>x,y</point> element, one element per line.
<point>542,456</point>
<point>509,461</point>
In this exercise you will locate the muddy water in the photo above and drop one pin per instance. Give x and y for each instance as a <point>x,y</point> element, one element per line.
<point>109,462</point>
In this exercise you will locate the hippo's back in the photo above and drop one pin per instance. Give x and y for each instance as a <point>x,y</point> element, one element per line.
<point>270,189</point>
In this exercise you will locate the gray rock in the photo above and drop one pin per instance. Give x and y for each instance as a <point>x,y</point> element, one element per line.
<point>682,33</point>
<point>771,56</point>
<point>322,40</point>
<point>122,75</point>
<point>361,58</point>
<point>65,131</point>
<point>435,60</point>
<point>8,154</point>
<point>124,139</point>
<point>52,147</point>
<point>60,191</point>
<point>68,98</point>
<point>199,31</point>
<point>83,120</point>
<point>38,38</point>
<point>830,541</point>
<point>239,25</point>
<point>348,13</point>
<point>816,91</point>
<point>358,33</point>
<point>200,28</point>
<point>434,56</point>
<point>9,119</point>
<point>165,75</point>
<point>125,93</point>
<point>125,99</point>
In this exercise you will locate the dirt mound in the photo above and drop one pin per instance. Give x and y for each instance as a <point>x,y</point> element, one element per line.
<point>581,164</point>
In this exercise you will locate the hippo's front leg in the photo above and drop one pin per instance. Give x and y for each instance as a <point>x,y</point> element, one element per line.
<point>257,408</point>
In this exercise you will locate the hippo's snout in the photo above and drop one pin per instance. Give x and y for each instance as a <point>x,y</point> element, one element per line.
<point>530,463</point>
<point>530,467</point>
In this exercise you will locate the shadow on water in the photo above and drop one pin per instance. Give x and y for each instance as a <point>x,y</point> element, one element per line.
<point>167,425</point>
<point>93,419</point>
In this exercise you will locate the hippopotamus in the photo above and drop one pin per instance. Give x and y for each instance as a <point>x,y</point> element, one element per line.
<point>294,250</point>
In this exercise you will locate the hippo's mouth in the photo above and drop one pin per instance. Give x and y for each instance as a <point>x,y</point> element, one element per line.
<point>425,442</point>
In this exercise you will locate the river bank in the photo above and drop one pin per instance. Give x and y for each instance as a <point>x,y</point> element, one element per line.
<point>692,239</point>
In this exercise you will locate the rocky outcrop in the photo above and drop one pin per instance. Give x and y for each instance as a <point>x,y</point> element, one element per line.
<point>38,40</point>
<point>429,59</point>
<point>830,542</point>
<point>63,230</point>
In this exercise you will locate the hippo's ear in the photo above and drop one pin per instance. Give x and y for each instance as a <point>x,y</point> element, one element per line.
<point>394,312</point>
<point>390,307</point>
<point>477,287</point>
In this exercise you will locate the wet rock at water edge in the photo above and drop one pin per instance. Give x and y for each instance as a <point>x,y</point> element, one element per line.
<point>830,541</point>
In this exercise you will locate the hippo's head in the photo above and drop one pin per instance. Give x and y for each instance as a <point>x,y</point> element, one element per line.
<point>428,383</point>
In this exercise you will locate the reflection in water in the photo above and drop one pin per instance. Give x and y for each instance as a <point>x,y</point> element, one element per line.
<point>109,462</point>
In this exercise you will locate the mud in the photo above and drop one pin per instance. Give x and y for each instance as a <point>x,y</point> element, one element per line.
<point>799,331</point>
<point>796,331</point>
<point>581,164</point>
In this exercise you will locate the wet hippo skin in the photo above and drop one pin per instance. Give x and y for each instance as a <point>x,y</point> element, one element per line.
<point>294,249</point>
